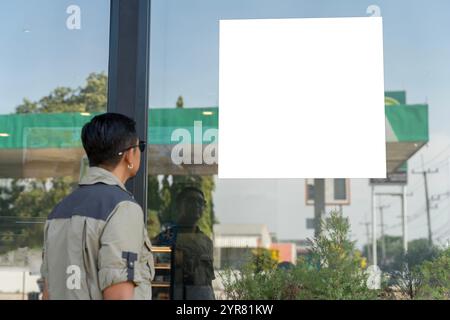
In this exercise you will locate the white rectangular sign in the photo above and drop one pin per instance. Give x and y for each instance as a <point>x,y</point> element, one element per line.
<point>302,98</point>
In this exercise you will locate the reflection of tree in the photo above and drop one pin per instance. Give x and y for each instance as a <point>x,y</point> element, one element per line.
<point>31,200</point>
<point>180,102</point>
<point>169,192</point>
<point>89,98</point>
<point>419,251</point>
<point>25,203</point>
<point>162,197</point>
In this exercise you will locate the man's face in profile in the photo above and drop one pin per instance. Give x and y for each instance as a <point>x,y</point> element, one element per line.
<point>191,208</point>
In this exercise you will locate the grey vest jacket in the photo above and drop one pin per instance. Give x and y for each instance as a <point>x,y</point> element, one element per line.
<point>94,238</point>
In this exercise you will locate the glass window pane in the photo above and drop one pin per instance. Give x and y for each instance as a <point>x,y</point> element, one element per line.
<point>242,217</point>
<point>53,79</point>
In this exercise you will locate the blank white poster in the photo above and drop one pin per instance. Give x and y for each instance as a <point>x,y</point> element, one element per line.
<point>302,98</point>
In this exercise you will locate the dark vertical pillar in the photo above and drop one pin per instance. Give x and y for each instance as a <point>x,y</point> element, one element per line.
<point>319,204</point>
<point>129,54</point>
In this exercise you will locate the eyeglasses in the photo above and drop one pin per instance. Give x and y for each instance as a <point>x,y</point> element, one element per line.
<point>141,146</point>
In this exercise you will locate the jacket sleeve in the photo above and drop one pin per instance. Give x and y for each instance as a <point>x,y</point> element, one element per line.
<point>121,245</point>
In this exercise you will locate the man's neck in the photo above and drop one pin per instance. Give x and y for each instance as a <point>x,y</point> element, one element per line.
<point>120,174</point>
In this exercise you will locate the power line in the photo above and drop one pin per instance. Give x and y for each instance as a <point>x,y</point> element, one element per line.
<point>443,210</point>
<point>434,158</point>
<point>443,231</point>
<point>441,164</point>
<point>425,174</point>
<point>416,187</point>
<point>418,213</point>
<point>433,216</point>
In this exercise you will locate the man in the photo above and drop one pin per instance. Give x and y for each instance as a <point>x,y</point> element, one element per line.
<point>95,240</point>
<point>193,249</point>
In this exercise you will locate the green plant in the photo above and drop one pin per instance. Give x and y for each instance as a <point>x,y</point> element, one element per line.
<point>435,278</point>
<point>333,270</point>
<point>407,281</point>
<point>428,280</point>
<point>273,284</point>
<point>260,279</point>
<point>262,261</point>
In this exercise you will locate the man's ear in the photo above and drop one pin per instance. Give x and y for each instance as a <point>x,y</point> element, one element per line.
<point>128,157</point>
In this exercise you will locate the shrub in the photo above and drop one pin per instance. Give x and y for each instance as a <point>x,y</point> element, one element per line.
<point>333,270</point>
<point>435,276</point>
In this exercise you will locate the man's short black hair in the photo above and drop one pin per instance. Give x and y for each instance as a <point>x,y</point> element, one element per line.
<point>105,136</point>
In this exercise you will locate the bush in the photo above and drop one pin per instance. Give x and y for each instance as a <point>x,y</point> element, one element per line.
<point>260,279</point>
<point>333,270</point>
<point>435,276</point>
<point>428,280</point>
<point>273,284</point>
<point>405,282</point>
<point>335,267</point>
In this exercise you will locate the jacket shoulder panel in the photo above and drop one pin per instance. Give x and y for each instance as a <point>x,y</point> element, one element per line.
<point>95,201</point>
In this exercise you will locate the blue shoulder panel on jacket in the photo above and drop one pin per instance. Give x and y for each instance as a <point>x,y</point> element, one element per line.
<point>94,201</point>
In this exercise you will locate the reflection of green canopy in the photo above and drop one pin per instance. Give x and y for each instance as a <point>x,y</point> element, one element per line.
<point>62,130</point>
<point>46,145</point>
<point>406,128</point>
<point>406,132</point>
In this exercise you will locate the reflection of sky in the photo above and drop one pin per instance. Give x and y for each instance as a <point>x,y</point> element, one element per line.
<point>49,55</point>
<point>184,54</point>
<point>184,49</point>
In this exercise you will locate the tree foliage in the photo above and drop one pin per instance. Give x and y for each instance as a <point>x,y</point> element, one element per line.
<point>419,251</point>
<point>435,277</point>
<point>333,270</point>
<point>29,202</point>
<point>25,203</point>
<point>33,199</point>
<point>91,97</point>
<point>171,186</point>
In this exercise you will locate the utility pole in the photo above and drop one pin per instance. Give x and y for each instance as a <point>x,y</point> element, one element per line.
<point>374,228</point>
<point>319,204</point>
<point>369,251</point>
<point>425,174</point>
<point>404,221</point>
<point>383,240</point>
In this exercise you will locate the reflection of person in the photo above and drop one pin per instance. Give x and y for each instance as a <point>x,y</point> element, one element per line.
<point>193,263</point>
<point>96,244</point>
